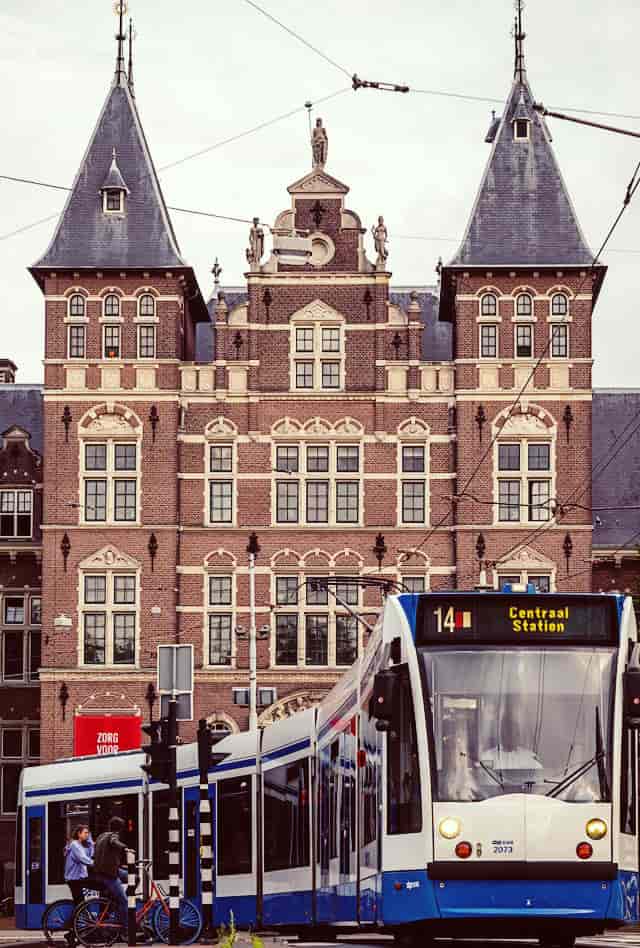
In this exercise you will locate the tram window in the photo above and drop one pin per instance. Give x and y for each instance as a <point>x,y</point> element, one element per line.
<point>234,826</point>
<point>160,834</point>
<point>35,856</point>
<point>628,804</point>
<point>286,816</point>
<point>404,810</point>
<point>333,799</point>
<point>369,782</point>
<point>64,816</point>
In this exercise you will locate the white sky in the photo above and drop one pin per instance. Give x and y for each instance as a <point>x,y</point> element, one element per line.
<point>207,70</point>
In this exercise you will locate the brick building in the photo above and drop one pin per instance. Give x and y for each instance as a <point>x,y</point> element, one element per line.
<point>20,588</point>
<point>331,415</point>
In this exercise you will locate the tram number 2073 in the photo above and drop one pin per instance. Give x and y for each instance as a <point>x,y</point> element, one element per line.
<point>502,847</point>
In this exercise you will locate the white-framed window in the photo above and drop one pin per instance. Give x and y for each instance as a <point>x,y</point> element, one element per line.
<point>147,341</point>
<point>523,338</point>
<point>521,130</point>
<point>488,341</point>
<point>109,617</point>
<point>488,304</point>
<point>559,340</point>
<point>146,305</point>
<point>524,480</point>
<point>559,304</point>
<point>317,357</point>
<point>110,472</point>
<point>415,584</point>
<point>412,490</point>
<point>111,305</point>
<point>113,201</point>
<point>111,342</point>
<point>77,342</point>
<point>19,747</point>
<point>541,580</point>
<point>524,305</point>
<point>322,485</point>
<point>310,627</point>
<point>221,482</point>
<point>16,514</point>
<point>220,612</point>
<point>77,305</point>
<point>21,642</point>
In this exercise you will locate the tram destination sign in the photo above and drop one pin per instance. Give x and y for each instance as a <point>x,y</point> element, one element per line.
<point>518,619</point>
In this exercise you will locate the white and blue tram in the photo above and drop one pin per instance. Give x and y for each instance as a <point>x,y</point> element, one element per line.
<point>473,771</point>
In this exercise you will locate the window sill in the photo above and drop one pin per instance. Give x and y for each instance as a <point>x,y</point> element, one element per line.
<point>104,667</point>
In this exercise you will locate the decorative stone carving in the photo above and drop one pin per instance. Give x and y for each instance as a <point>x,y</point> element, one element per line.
<point>319,144</point>
<point>109,557</point>
<point>318,309</point>
<point>288,706</point>
<point>348,426</point>
<point>413,426</point>
<point>108,425</point>
<point>317,426</point>
<point>526,556</point>
<point>286,426</point>
<point>221,426</point>
<point>524,425</point>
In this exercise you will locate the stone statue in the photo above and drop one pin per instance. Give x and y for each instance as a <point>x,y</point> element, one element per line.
<point>319,145</point>
<point>255,249</point>
<point>380,237</point>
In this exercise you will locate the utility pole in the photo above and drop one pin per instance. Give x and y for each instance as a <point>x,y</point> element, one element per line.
<point>253,548</point>
<point>206,848</point>
<point>174,817</point>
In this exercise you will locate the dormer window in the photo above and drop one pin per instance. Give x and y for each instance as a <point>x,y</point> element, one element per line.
<point>113,189</point>
<point>114,201</point>
<point>112,305</point>
<point>521,130</point>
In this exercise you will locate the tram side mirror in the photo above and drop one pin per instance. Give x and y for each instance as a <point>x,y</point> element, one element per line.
<point>382,699</point>
<point>631,690</point>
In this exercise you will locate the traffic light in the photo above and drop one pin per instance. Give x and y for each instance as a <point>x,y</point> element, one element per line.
<point>158,763</point>
<point>206,740</point>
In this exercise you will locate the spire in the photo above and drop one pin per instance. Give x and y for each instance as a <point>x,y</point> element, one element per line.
<point>121,9</point>
<point>519,72</point>
<point>114,179</point>
<point>130,71</point>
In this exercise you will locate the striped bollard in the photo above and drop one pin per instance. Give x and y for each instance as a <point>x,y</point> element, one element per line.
<point>174,874</point>
<point>206,858</point>
<point>131,898</point>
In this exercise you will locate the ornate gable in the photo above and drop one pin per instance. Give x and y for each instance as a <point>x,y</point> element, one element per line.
<point>318,182</point>
<point>109,557</point>
<point>318,309</point>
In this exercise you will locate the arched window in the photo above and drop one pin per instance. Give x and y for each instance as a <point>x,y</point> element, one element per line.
<point>147,305</point>
<point>77,305</point>
<point>112,305</point>
<point>524,305</point>
<point>559,305</point>
<point>488,305</point>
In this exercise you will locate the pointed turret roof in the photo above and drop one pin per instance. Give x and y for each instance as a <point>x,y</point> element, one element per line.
<point>142,237</point>
<point>114,180</point>
<point>523,215</point>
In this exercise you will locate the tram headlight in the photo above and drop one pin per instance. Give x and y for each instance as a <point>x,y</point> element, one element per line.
<point>596,829</point>
<point>450,827</point>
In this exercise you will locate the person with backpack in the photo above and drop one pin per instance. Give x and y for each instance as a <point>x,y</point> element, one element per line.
<point>110,854</point>
<point>78,859</point>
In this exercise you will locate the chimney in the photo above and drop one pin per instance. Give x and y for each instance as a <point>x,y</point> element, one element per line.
<point>8,371</point>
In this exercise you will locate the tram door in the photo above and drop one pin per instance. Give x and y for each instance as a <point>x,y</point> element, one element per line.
<point>190,843</point>
<point>34,869</point>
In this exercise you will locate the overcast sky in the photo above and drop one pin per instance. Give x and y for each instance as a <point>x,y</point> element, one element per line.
<point>206,70</point>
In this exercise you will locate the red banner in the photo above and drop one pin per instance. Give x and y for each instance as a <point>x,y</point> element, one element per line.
<point>106,734</point>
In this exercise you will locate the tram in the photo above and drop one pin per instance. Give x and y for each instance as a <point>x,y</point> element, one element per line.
<point>474,771</point>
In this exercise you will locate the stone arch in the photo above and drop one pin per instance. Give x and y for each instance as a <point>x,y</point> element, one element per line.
<point>110,418</point>
<point>485,290</point>
<point>524,288</point>
<point>318,426</point>
<point>524,419</point>
<point>110,291</point>
<point>143,290</point>
<point>286,559</point>
<point>316,559</point>
<point>73,290</point>
<point>219,717</point>
<point>560,288</point>
<point>347,558</point>
<point>286,426</point>
<point>413,428</point>
<point>220,559</point>
<point>291,704</point>
<point>348,426</point>
<point>413,560</point>
<point>221,427</point>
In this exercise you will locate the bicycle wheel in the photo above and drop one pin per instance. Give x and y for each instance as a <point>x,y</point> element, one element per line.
<point>56,921</point>
<point>190,922</point>
<point>96,922</point>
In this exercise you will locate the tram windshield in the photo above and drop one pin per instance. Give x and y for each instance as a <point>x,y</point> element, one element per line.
<point>521,721</point>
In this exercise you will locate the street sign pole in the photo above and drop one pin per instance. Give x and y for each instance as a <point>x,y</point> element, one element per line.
<point>174,825</point>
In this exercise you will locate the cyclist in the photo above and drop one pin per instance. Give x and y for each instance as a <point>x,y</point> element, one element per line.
<point>78,858</point>
<point>110,854</point>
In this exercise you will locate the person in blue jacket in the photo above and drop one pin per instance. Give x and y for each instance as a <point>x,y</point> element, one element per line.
<point>78,859</point>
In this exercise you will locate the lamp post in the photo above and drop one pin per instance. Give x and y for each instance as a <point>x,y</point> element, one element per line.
<point>253,549</point>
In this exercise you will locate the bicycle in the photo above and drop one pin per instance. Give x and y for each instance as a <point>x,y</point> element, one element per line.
<point>57,921</point>
<point>96,922</point>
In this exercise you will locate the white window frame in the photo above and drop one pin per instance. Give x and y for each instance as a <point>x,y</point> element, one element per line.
<point>220,477</point>
<point>111,326</point>
<point>522,323</point>
<point>16,491</point>
<point>331,476</point>
<point>521,138</point>
<point>404,477</point>
<point>80,325</point>
<point>145,326</point>
<point>110,608</point>
<point>110,475</point>
<point>78,316</point>
<point>111,316</point>
<point>219,609</point>
<point>490,317</point>
<point>558,321</point>
<point>317,355</point>
<point>332,610</point>
<point>500,574</point>
<point>105,198</point>
<point>524,476</point>
<point>483,325</point>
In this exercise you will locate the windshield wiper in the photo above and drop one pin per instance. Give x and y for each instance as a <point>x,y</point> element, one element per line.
<point>494,776</point>
<point>598,758</point>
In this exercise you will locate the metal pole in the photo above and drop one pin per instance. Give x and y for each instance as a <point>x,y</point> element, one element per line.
<point>253,674</point>
<point>174,821</point>
<point>206,849</point>
<point>131,898</point>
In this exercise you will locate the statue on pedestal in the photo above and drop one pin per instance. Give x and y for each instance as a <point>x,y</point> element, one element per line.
<point>380,238</point>
<point>319,144</point>
<point>255,249</point>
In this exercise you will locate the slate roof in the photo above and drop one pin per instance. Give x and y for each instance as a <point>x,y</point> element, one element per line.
<point>616,415</point>
<point>523,215</point>
<point>140,238</point>
<point>437,337</point>
<point>22,405</point>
